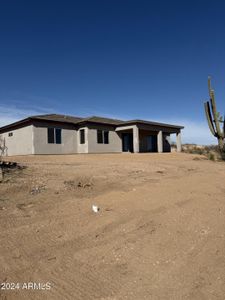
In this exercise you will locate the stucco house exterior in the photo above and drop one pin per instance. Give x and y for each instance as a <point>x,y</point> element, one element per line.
<point>62,134</point>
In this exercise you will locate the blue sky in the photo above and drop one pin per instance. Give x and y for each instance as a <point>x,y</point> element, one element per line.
<point>124,59</point>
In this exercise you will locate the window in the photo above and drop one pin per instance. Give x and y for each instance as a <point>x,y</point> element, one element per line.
<point>99,137</point>
<point>10,134</point>
<point>54,136</point>
<point>51,135</point>
<point>102,136</point>
<point>82,136</point>
<point>106,137</point>
<point>58,136</point>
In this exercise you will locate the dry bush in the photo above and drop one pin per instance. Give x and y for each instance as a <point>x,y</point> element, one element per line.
<point>192,149</point>
<point>212,152</point>
<point>211,156</point>
<point>3,147</point>
<point>222,156</point>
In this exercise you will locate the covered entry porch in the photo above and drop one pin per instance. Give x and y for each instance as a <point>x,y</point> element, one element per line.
<point>148,138</point>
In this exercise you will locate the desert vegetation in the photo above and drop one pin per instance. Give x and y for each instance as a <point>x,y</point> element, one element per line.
<point>211,152</point>
<point>215,120</point>
<point>3,148</point>
<point>216,123</point>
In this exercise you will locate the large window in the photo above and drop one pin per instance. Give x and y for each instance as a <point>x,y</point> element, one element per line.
<point>102,136</point>
<point>82,136</point>
<point>54,135</point>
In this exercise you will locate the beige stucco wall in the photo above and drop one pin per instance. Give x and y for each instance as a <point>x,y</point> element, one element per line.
<point>41,145</point>
<point>21,142</point>
<point>115,142</point>
<point>32,139</point>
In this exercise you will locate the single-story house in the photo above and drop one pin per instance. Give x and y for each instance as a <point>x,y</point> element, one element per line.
<point>62,134</point>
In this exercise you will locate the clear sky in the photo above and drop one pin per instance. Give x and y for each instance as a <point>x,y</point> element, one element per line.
<point>120,58</point>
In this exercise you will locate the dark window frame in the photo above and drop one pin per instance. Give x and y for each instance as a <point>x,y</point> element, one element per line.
<point>82,136</point>
<point>99,136</point>
<point>54,135</point>
<point>106,136</point>
<point>51,135</point>
<point>102,136</point>
<point>58,136</point>
<point>10,134</point>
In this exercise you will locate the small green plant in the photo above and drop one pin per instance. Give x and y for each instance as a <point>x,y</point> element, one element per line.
<point>211,156</point>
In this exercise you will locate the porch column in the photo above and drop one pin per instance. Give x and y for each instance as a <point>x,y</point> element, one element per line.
<point>136,139</point>
<point>178,134</point>
<point>160,141</point>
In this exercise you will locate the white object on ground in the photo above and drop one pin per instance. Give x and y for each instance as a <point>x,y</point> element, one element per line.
<point>95,208</point>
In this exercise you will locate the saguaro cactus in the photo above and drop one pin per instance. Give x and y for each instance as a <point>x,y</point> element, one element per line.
<point>214,118</point>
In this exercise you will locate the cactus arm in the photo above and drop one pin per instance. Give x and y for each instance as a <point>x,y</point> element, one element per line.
<point>209,86</point>
<point>215,115</point>
<point>209,118</point>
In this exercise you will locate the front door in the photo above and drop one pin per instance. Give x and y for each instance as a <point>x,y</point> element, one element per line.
<point>127,141</point>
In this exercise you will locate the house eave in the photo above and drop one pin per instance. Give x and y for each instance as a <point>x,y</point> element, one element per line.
<point>17,124</point>
<point>135,122</point>
<point>29,121</point>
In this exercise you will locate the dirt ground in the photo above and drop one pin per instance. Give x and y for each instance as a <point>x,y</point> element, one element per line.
<point>159,234</point>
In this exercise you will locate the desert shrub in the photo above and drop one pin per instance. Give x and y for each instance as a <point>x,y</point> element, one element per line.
<point>211,156</point>
<point>222,156</point>
<point>199,151</point>
<point>212,152</point>
<point>193,150</point>
<point>3,147</point>
<point>210,148</point>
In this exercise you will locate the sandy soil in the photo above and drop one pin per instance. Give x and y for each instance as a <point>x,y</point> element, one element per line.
<point>159,234</point>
